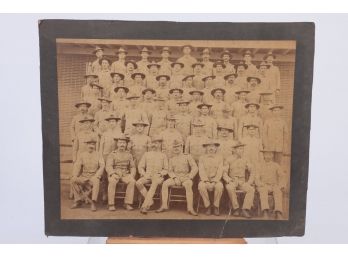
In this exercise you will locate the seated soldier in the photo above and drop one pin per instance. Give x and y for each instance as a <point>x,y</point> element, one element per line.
<point>210,173</point>
<point>270,179</point>
<point>87,170</point>
<point>153,166</point>
<point>120,166</point>
<point>235,168</point>
<point>182,170</point>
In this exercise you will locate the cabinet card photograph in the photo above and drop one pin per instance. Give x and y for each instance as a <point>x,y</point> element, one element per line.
<point>188,131</point>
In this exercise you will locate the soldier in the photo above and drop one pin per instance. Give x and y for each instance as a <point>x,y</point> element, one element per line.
<point>226,140</point>
<point>87,92</point>
<point>208,65</point>
<point>238,107</point>
<point>169,135</point>
<point>148,104</point>
<point>104,76</point>
<point>187,85</point>
<point>133,113</point>
<point>165,63</point>
<point>175,97</point>
<point>142,64</point>
<point>157,117</point>
<point>117,81</point>
<point>209,85</point>
<point>228,120</point>
<point>210,173</point>
<point>226,58</point>
<point>85,134</point>
<point>183,119</point>
<point>153,68</point>
<point>162,90</point>
<point>138,83</point>
<point>100,123</point>
<point>139,141</point>
<point>219,73</point>
<point>251,117</point>
<point>210,125</point>
<point>235,177</point>
<point>196,96</point>
<point>198,75</point>
<point>270,179</point>
<point>254,88</point>
<point>266,102</point>
<point>119,65</point>
<point>87,171</point>
<point>273,72</point>
<point>276,134</point>
<point>263,74</point>
<point>131,68</point>
<point>177,78</point>
<point>187,60</point>
<point>247,58</point>
<point>75,124</point>
<point>120,103</point>
<point>99,52</point>
<point>120,166</point>
<point>182,170</point>
<point>253,145</point>
<point>241,79</point>
<point>194,143</point>
<point>231,87</point>
<point>218,103</point>
<point>152,168</point>
<point>107,142</point>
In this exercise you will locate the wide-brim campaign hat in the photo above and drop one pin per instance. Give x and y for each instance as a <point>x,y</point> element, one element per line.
<point>91,75</point>
<point>140,122</point>
<point>138,73</point>
<point>153,91</point>
<point>251,126</point>
<point>112,74</point>
<point>203,104</point>
<point>217,89</point>
<point>153,64</point>
<point>122,137</point>
<point>276,106</point>
<point>191,47</point>
<point>211,142</point>
<point>248,52</point>
<point>226,52</point>
<point>133,96</point>
<point>207,77</point>
<point>252,103</point>
<point>132,62</point>
<point>157,139</point>
<point>222,126</point>
<point>86,119</point>
<point>177,143</point>
<point>205,51</point>
<point>126,89</point>
<point>240,64</point>
<point>171,91</point>
<point>121,50</point>
<point>166,49</point>
<point>263,64</point>
<point>180,63</point>
<point>254,77</point>
<point>77,105</point>
<point>242,91</point>
<point>112,117</point>
<point>91,141</point>
<point>97,85</point>
<point>270,53</point>
<point>197,64</point>
<point>230,75</point>
<point>104,59</point>
<point>188,76</point>
<point>238,144</point>
<point>196,91</point>
<point>104,99</point>
<point>162,75</point>
<point>219,63</point>
<point>145,50</point>
<point>97,48</point>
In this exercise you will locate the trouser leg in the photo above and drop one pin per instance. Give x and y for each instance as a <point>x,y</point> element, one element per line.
<point>231,191</point>
<point>76,187</point>
<point>113,180</point>
<point>263,191</point>
<point>278,199</point>
<point>249,196</point>
<point>218,188</point>
<point>203,191</point>
<point>95,188</point>
<point>130,181</point>
<point>189,194</point>
<point>165,187</point>
<point>149,196</point>
<point>140,186</point>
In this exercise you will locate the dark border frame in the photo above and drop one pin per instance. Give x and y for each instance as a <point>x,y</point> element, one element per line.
<point>302,32</point>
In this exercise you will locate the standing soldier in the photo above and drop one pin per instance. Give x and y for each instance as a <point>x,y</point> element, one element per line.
<point>165,63</point>
<point>138,84</point>
<point>133,113</point>
<point>187,60</point>
<point>263,73</point>
<point>276,134</point>
<point>87,170</point>
<point>157,117</point>
<point>194,143</point>
<point>198,75</point>
<point>107,141</point>
<point>152,168</point>
<point>177,78</point>
<point>117,81</point>
<point>231,88</point>
<point>226,58</point>
<point>187,85</point>
<point>218,103</point>
<point>253,145</point>
<point>148,103</point>
<point>210,173</point>
<point>142,64</point>
<point>210,126</point>
<point>120,167</point>
<point>273,72</point>
<point>251,117</point>
<point>208,65</point>
<point>75,124</point>
<point>183,119</point>
<point>151,81</point>
<point>182,170</point>
<point>247,58</point>
<point>209,85</point>
<point>100,123</point>
<point>270,179</point>
<point>219,73</point>
<point>226,140</point>
<point>266,102</point>
<point>175,97</point>
<point>254,88</point>
<point>139,141</point>
<point>241,79</point>
<point>238,107</point>
<point>235,177</point>
<point>197,99</point>
<point>104,76</point>
<point>119,65</point>
<point>228,120</point>
<point>120,102</point>
<point>162,90</point>
<point>169,135</point>
<point>99,52</point>
<point>131,67</point>
<point>88,94</point>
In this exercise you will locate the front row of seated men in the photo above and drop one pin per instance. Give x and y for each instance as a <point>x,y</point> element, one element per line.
<point>235,172</point>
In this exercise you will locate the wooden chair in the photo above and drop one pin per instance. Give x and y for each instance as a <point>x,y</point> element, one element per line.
<point>176,197</point>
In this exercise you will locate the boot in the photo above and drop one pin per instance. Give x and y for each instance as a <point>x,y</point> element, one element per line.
<point>161,210</point>
<point>192,212</point>
<point>128,207</point>
<point>216,211</point>
<point>76,205</point>
<point>236,212</point>
<point>208,211</point>
<point>112,208</point>
<point>278,215</point>
<point>93,206</point>
<point>246,214</point>
<point>265,214</point>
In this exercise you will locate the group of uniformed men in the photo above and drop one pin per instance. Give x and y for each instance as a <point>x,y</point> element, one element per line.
<point>165,123</point>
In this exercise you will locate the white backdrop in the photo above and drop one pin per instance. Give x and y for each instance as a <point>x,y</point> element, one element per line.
<point>21,187</point>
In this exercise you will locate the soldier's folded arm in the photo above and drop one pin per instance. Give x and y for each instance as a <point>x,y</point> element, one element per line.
<point>201,171</point>
<point>193,166</point>
<point>225,175</point>
<point>219,172</point>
